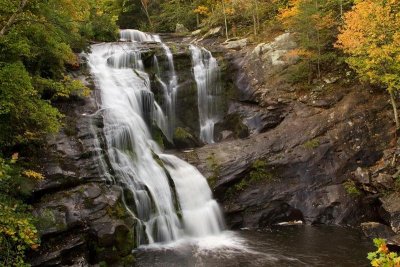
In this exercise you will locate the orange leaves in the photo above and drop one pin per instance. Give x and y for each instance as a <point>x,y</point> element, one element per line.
<point>371,36</point>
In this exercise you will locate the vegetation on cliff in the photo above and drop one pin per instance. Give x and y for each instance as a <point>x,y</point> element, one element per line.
<point>38,42</point>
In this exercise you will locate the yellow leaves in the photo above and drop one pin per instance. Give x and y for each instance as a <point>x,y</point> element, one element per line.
<point>229,11</point>
<point>292,10</point>
<point>299,52</point>
<point>33,175</point>
<point>202,10</point>
<point>371,36</point>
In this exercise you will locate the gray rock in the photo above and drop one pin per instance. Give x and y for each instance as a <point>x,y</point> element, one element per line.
<point>236,45</point>
<point>384,181</point>
<point>196,32</point>
<point>362,176</point>
<point>376,230</point>
<point>217,31</point>
<point>391,210</point>
<point>180,28</point>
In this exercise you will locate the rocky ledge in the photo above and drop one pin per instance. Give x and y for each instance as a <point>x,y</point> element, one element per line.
<point>299,160</point>
<point>81,217</point>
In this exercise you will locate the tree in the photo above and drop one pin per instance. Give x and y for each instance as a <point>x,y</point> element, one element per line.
<point>371,38</point>
<point>145,5</point>
<point>314,23</point>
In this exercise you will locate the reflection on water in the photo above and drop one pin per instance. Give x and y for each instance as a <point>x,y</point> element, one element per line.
<point>280,246</point>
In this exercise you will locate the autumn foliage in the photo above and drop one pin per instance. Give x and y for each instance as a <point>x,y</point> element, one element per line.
<point>371,38</point>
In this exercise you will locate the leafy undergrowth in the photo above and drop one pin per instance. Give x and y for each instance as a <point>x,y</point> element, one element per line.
<point>18,233</point>
<point>382,257</point>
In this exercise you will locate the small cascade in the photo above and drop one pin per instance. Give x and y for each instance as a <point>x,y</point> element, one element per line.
<point>169,86</point>
<point>171,199</point>
<point>207,75</point>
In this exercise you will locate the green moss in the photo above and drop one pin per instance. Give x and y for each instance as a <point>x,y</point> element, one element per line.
<point>158,138</point>
<point>181,134</point>
<point>215,169</point>
<point>46,220</point>
<point>351,188</point>
<point>118,211</point>
<point>259,171</point>
<point>311,144</point>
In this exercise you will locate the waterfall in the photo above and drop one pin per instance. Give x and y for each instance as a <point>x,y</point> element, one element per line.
<point>207,75</point>
<point>169,86</point>
<point>171,199</point>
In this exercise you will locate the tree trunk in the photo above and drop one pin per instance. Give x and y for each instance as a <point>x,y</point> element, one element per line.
<point>226,22</point>
<point>255,24</point>
<point>13,17</point>
<point>257,17</point>
<point>394,106</point>
<point>145,6</point>
<point>319,46</point>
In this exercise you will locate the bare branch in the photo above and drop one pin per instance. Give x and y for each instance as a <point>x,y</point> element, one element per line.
<point>13,17</point>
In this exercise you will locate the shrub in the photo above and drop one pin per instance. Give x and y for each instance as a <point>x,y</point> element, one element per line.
<point>382,257</point>
<point>17,230</point>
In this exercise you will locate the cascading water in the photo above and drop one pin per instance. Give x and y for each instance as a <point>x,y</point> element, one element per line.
<point>207,75</point>
<point>171,198</point>
<point>169,86</point>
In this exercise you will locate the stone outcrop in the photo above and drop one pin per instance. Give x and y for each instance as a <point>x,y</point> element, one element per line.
<point>309,144</point>
<point>81,218</point>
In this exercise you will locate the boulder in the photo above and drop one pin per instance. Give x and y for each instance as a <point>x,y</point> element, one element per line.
<point>390,211</point>
<point>236,45</point>
<point>383,181</point>
<point>217,31</point>
<point>376,230</point>
<point>362,176</point>
<point>196,32</point>
<point>180,28</point>
<point>184,139</point>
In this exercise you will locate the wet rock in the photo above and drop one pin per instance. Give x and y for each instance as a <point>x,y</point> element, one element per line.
<point>391,210</point>
<point>309,154</point>
<point>376,230</point>
<point>184,139</point>
<point>393,241</point>
<point>362,176</point>
<point>384,181</point>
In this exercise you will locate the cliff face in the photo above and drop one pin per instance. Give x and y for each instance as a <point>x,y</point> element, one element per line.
<point>299,161</point>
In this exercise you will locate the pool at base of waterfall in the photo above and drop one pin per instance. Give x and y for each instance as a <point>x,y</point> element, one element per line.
<point>300,245</point>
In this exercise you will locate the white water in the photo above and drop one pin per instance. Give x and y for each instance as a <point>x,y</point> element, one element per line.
<point>127,103</point>
<point>207,75</point>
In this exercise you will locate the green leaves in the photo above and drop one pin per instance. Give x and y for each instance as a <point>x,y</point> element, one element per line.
<point>383,257</point>
<point>24,116</point>
<point>17,230</point>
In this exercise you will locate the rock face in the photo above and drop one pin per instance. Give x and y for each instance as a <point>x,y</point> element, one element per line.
<point>81,219</point>
<point>376,230</point>
<point>298,162</point>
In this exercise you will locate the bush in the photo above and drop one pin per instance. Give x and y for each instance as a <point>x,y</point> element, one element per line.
<point>17,230</point>
<point>382,257</point>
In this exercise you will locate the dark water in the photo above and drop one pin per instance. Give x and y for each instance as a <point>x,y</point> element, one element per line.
<point>280,246</point>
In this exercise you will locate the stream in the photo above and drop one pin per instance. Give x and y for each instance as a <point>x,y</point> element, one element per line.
<point>278,246</point>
